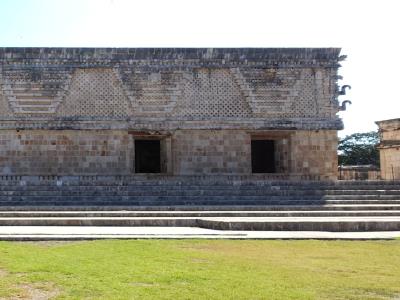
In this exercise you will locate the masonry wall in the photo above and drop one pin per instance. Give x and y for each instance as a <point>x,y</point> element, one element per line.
<point>314,154</point>
<point>389,149</point>
<point>211,152</point>
<point>301,154</point>
<point>65,152</point>
<point>390,163</point>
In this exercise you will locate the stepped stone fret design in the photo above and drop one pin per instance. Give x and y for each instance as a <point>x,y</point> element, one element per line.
<point>285,93</point>
<point>151,93</point>
<point>35,90</point>
<point>280,87</point>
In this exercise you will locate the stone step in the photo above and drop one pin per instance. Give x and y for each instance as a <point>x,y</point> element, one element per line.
<point>342,224</point>
<point>50,191</point>
<point>154,192</point>
<point>262,213</point>
<point>194,195</point>
<point>60,208</point>
<point>191,190</point>
<point>202,183</point>
<point>62,203</point>
<point>361,197</point>
<point>146,198</point>
<point>179,196</point>
<point>335,224</point>
<point>79,233</point>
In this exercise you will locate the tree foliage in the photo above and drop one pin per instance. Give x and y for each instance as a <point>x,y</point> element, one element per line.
<point>359,149</point>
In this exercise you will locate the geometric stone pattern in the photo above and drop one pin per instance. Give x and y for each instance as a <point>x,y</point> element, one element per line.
<point>95,92</point>
<point>285,93</point>
<point>34,92</point>
<point>297,86</point>
<point>151,94</point>
<point>212,93</point>
<point>222,93</point>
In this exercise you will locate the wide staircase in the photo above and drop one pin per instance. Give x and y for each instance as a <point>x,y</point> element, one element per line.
<point>213,202</point>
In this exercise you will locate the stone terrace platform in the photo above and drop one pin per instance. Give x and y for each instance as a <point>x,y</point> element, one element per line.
<point>226,205</point>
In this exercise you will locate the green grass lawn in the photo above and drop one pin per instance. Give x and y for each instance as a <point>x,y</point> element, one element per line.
<point>197,269</point>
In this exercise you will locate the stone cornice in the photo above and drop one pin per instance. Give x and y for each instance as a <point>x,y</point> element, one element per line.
<point>170,125</point>
<point>169,57</point>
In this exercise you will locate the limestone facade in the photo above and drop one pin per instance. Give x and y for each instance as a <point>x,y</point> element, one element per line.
<point>80,111</point>
<point>389,148</point>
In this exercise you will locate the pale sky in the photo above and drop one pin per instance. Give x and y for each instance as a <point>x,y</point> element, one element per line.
<point>367,32</point>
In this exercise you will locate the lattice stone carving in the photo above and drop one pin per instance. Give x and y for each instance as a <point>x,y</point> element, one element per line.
<point>152,93</point>
<point>212,93</point>
<point>305,104</point>
<point>35,91</point>
<point>95,92</point>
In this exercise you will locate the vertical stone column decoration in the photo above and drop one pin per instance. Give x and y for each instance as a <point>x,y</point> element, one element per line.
<point>4,105</point>
<point>130,157</point>
<point>282,153</point>
<point>166,155</point>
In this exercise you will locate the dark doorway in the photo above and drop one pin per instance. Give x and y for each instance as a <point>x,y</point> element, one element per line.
<point>147,156</point>
<point>263,156</point>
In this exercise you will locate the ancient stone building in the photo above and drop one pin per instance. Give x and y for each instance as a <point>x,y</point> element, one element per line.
<point>389,148</point>
<point>93,111</point>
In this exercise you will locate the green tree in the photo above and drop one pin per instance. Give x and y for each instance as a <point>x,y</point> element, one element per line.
<point>359,149</point>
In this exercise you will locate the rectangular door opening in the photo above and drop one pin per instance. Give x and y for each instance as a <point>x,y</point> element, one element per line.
<point>263,156</point>
<point>147,156</point>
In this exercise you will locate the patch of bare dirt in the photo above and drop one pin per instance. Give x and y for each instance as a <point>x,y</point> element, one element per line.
<point>144,284</point>
<point>3,273</point>
<point>200,260</point>
<point>31,292</point>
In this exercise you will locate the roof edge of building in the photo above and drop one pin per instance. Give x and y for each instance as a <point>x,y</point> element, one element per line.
<point>226,54</point>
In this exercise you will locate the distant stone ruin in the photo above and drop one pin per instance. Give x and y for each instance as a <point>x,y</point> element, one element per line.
<point>389,148</point>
